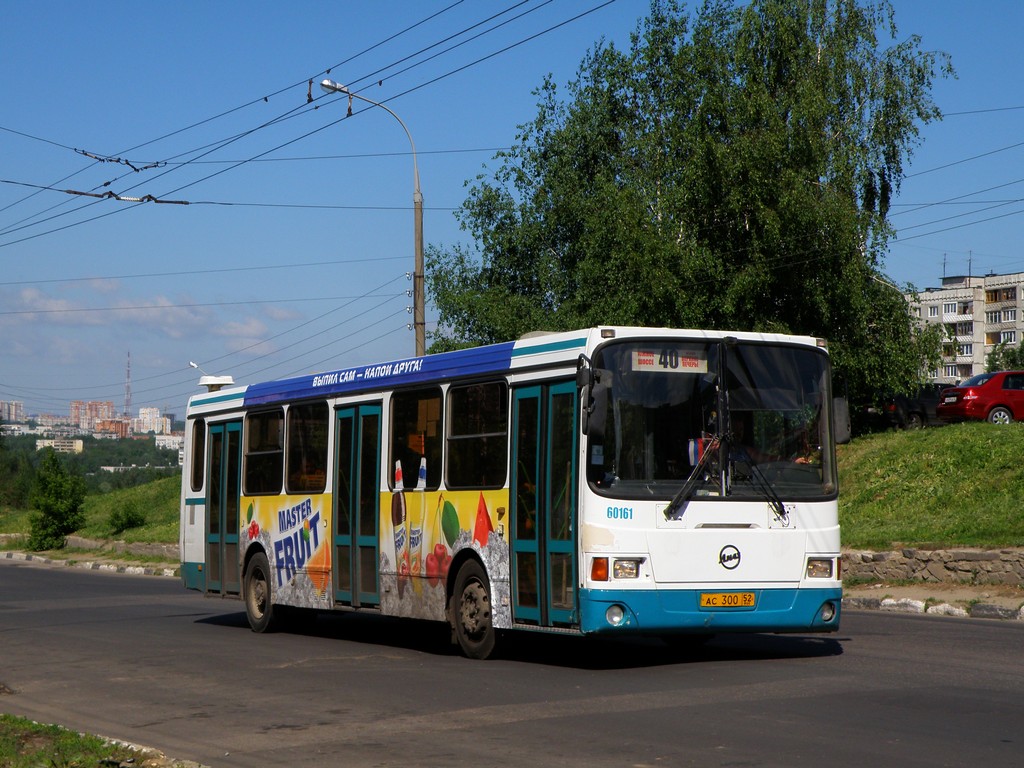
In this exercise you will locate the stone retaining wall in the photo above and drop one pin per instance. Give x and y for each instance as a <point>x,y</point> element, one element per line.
<point>959,566</point>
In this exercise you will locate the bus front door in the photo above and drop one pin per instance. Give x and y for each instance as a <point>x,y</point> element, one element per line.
<point>223,572</point>
<point>543,505</point>
<point>356,505</point>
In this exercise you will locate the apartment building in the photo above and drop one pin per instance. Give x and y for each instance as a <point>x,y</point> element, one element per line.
<point>12,411</point>
<point>60,445</point>
<point>978,313</point>
<point>85,414</point>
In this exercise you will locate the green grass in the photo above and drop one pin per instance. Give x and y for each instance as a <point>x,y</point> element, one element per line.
<point>158,501</point>
<point>953,486</point>
<point>25,744</point>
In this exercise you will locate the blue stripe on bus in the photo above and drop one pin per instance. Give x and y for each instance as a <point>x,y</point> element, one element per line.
<point>677,610</point>
<point>414,370</point>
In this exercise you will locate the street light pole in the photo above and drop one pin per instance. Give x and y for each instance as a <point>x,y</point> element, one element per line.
<point>419,322</point>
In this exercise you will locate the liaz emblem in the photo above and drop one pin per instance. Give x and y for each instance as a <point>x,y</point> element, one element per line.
<point>729,557</point>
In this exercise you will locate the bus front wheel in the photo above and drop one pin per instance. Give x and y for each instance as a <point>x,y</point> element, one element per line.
<point>258,606</point>
<point>471,611</point>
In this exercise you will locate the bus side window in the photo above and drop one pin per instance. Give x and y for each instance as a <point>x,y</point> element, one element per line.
<point>307,447</point>
<point>416,435</point>
<point>477,435</point>
<point>264,452</point>
<point>198,456</point>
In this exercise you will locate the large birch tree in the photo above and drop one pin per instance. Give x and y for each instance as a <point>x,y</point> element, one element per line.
<point>732,170</point>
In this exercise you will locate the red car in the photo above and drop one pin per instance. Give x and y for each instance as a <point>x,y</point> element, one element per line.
<point>996,397</point>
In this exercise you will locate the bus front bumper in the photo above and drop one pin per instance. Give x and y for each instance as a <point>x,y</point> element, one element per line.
<point>667,611</point>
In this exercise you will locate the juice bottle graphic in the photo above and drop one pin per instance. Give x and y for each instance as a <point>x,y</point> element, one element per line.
<point>398,522</point>
<point>415,520</point>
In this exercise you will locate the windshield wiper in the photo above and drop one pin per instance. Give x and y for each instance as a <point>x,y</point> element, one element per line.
<point>677,506</point>
<point>762,484</point>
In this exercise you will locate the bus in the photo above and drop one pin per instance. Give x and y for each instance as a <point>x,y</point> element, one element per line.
<point>607,481</point>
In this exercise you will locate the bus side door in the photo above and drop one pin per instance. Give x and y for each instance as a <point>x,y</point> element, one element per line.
<point>543,504</point>
<point>224,472</point>
<point>356,505</point>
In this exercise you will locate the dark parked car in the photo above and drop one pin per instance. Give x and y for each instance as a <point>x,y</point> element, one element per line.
<point>915,410</point>
<point>997,397</point>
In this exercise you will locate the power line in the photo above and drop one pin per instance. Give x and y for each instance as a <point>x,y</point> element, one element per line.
<point>299,110</point>
<point>965,160</point>
<point>146,307</point>
<point>193,272</point>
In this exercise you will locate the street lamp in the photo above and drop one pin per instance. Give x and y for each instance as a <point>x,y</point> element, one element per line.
<point>419,324</point>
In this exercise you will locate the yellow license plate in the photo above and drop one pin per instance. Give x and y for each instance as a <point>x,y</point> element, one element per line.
<point>727,600</point>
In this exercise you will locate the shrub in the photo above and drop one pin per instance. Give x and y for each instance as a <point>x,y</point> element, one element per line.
<point>58,496</point>
<point>128,515</point>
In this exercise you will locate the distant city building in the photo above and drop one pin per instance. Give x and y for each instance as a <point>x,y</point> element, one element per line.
<point>170,442</point>
<point>118,428</point>
<point>978,314</point>
<point>86,414</point>
<point>12,412</point>
<point>60,445</point>
<point>150,420</point>
<point>52,420</point>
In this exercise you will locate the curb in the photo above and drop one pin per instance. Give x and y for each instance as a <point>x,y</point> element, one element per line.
<point>135,570</point>
<point>909,605</point>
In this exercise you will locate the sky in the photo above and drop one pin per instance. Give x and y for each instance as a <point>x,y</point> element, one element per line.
<point>284,243</point>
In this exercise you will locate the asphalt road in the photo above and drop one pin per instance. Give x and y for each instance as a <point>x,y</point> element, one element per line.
<point>139,659</point>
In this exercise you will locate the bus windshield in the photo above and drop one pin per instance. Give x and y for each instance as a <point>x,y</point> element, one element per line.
<point>722,419</point>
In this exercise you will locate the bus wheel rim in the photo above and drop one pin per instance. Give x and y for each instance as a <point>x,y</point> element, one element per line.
<point>475,613</point>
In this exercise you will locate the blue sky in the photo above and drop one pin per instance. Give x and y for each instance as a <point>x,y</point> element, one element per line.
<point>291,255</point>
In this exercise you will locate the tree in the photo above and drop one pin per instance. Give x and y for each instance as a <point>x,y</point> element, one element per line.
<point>17,473</point>
<point>1005,358</point>
<point>733,173</point>
<point>58,497</point>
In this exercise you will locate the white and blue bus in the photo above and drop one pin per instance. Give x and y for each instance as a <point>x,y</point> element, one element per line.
<point>676,483</point>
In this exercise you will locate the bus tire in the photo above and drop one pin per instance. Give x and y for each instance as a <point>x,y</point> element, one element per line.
<point>259,608</point>
<point>471,611</point>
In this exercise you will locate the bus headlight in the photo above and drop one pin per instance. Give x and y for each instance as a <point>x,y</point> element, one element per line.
<point>614,615</point>
<point>819,568</point>
<point>626,569</point>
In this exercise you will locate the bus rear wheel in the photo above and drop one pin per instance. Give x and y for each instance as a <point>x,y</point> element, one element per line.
<point>471,611</point>
<point>259,608</point>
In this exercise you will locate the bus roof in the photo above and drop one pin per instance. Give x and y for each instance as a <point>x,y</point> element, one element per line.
<point>555,348</point>
<point>532,351</point>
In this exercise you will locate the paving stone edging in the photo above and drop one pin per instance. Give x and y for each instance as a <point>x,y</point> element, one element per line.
<point>911,605</point>
<point>93,565</point>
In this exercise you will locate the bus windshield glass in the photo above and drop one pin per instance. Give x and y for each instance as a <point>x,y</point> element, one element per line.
<point>724,419</point>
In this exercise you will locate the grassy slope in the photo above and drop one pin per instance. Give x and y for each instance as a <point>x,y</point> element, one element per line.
<point>958,485</point>
<point>158,501</point>
<point>941,487</point>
